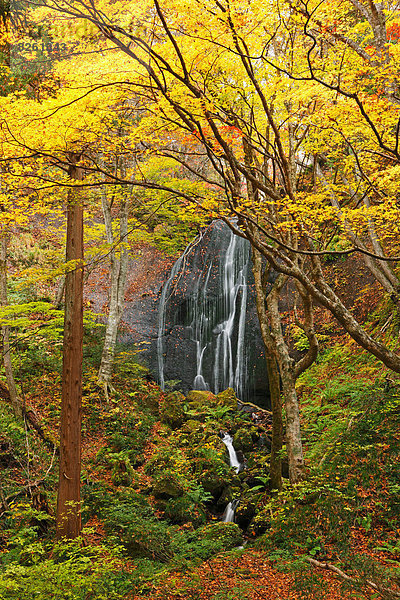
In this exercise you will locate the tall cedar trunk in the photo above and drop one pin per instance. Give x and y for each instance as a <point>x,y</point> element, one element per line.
<point>275,468</point>
<point>5,331</point>
<point>287,371</point>
<point>68,503</point>
<point>119,267</point>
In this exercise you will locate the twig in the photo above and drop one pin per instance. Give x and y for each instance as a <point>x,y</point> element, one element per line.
<point>3,498</point>
<point>386,324</point>
<point>28,454</point>
<point>329,567</point>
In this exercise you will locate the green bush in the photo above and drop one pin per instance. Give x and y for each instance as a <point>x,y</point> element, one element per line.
<point>205,541</point>
<point>184,510</point>
<point>224,536</point>
<point>77,575</point>
<point>131,520</point>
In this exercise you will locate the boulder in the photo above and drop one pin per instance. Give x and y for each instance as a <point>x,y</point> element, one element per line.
<point>228,398</point>
<point>167,486</point>
<point>243,439</point>
<point>172,409</point>
<point>245,511</point>
<point>201,398</point>
<point>260,523</point>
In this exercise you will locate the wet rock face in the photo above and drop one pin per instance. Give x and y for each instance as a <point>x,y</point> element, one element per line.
<point>196,313</point>
<point>211,337</point>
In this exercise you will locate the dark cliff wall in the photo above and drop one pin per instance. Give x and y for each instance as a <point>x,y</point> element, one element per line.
<point>200,276</point>
<point>211,337</point>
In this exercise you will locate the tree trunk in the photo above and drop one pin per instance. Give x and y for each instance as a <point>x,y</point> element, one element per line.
<point>287,370</point>
<point>275,465</point>
<point>68,502</point>
<point>5,331</point>
<point>318,288</point>
<point>60,292</point>
<point>118,273</point>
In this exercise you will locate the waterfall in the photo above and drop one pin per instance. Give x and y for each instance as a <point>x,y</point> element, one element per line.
<point>233,459</point>
<point>162,313</point>
<point>209,311</point>
<point>229,514</point>
<point>234,279</point>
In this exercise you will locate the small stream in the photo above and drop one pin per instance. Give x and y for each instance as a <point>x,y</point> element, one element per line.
<point>233,459</point>
<point>229,514</point>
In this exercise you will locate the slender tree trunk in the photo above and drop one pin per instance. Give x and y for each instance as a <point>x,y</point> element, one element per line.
<point>5,331</point>
<point>68,503</point>
<point>287,371</point>
<point>317,287</point>
<point>119,268</point>
<point>275,468</point>
<point>60,292</point>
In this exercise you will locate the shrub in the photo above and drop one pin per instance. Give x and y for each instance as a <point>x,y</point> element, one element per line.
<point>131,520</point>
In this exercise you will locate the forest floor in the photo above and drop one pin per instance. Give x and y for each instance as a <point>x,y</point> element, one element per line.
<point>251,576</point>
<point>156,480</point>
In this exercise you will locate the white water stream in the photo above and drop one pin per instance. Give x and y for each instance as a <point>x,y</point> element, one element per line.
<point>216,316</point>
<point>233,459</point>
<point>229,514</point>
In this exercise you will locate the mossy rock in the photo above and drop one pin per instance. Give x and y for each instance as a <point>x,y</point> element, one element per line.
<point>227,398</point>
<point>212,482</point>
<point>167,486</point>
<point>224,498</point>
<point>201,399</point>
<point>224,536</point>
<point>243,440</point>
<point>245,511</point>
<point>191,426</point>
<point>260,523</point>
<point>172,409</point>
<point>213,473</point>
<point>184,510</point>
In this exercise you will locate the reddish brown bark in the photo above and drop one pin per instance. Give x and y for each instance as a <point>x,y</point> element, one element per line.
<point>68,502</point>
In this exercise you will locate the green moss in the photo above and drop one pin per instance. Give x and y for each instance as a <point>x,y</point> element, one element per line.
<point>227,398</point>
<point>200,398</point>
<point>172,409</point>
<point>243,440</point>
<point>224,536</point>
<point>167,486</point>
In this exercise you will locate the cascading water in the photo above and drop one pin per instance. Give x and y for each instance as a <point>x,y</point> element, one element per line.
<point>234,277</point>
<point>233,459</point>
<point>166,290</point>
<point>229,514</point>
<point>209,314</point>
